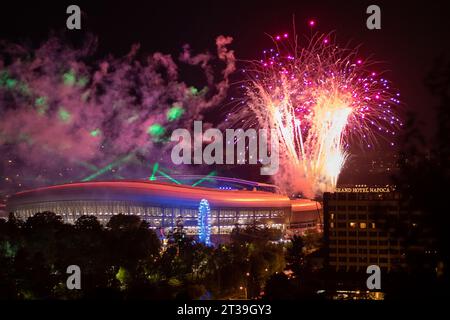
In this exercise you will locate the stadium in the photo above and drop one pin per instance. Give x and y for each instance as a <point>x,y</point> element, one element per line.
<point>164,204</point>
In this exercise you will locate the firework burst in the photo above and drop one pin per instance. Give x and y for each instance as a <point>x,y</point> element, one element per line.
<point>320,99</point>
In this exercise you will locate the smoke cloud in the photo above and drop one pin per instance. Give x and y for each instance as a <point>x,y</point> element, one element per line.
<point>60,106</point>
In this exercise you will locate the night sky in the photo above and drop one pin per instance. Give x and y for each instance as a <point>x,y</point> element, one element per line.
<point>413,35</point>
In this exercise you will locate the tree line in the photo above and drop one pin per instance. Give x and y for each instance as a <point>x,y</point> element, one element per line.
<point>125,259</point>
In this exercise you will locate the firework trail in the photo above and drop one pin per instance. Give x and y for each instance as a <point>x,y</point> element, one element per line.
<point>319,99</point>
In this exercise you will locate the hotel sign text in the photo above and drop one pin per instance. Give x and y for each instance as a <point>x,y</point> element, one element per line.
<point>364,189</point>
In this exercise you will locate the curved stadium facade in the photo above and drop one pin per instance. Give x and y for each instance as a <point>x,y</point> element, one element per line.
<point>163,204</point>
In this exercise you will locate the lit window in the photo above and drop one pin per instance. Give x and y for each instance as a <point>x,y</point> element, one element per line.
<point>362,225</point>
<point>332,216</point>
<point>332,224</point>
<point>373,225</point>
<point>352,224</point>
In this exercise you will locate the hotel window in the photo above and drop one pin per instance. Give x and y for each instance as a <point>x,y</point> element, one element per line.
<point>342,196</point>
<point>332,225</point>
<point>332,216</point>
<point>352,225</point>
<point>362,225</point>
<point>372,225</point>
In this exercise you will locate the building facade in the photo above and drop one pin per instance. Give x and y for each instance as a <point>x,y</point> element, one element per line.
<point>163,205</point>
<point>356,228</point>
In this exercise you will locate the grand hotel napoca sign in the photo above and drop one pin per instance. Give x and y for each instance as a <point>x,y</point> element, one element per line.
<point>365,189</point>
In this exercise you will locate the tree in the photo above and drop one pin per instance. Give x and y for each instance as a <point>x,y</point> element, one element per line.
<point>424,173</point>
<point>295,255</point>
<point>130,244</point>
<point>40,263</point>
<point>279,287</point>
<point>87,249</point>
<point>177,237</point>
<point>11,241</point>
<point>123,222</point>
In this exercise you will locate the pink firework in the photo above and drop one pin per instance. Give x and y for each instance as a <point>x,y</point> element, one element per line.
<point>319,98</point>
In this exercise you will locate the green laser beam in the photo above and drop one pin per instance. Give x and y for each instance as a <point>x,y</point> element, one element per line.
<point>87,165</point>
<point>94,168</point>
<point>169,177</point>
<point>109,167</point>
<point>212,173</point>
<point>155,168</point>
